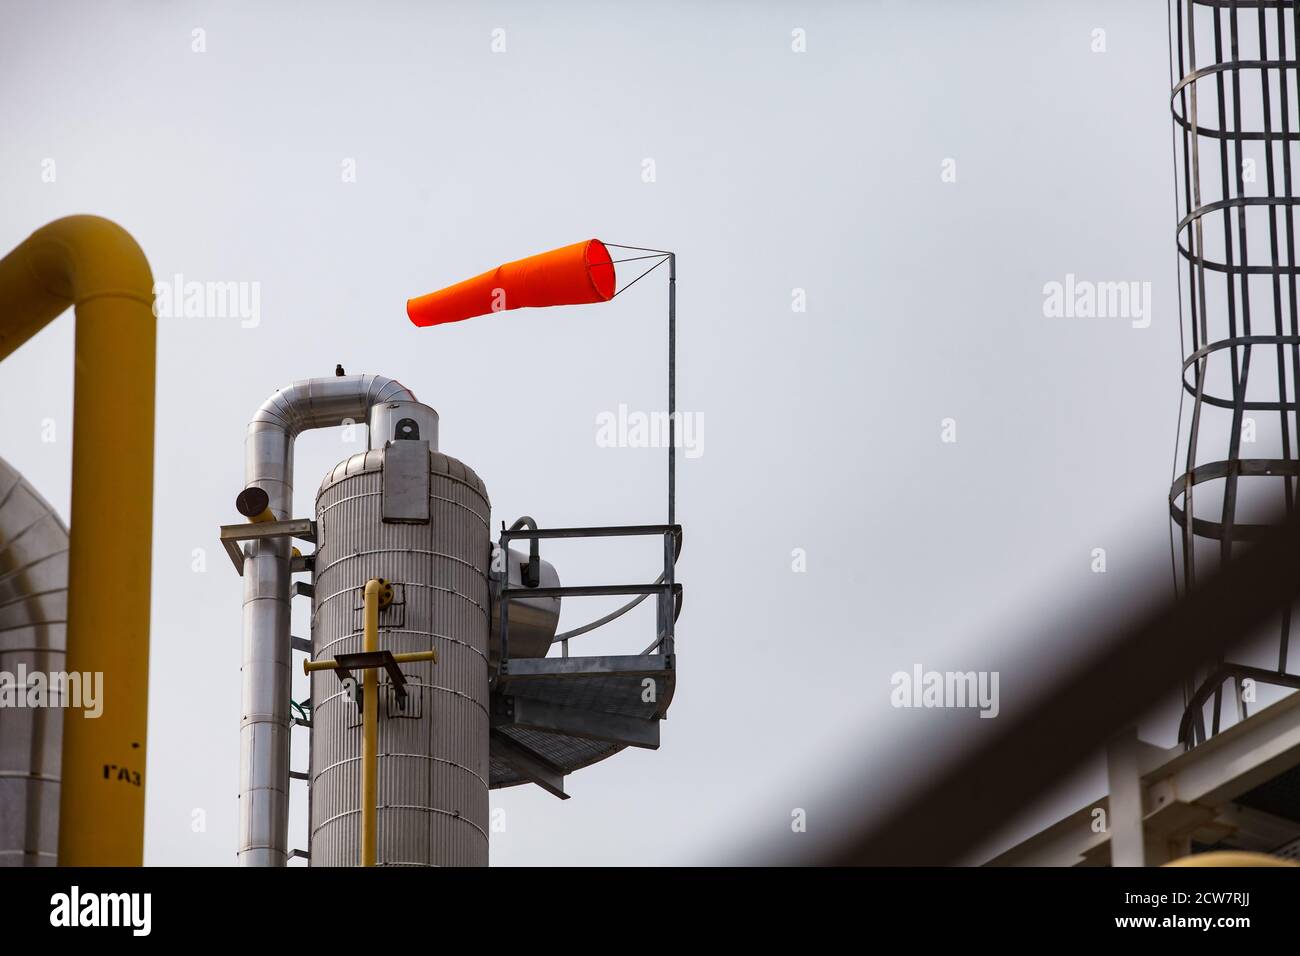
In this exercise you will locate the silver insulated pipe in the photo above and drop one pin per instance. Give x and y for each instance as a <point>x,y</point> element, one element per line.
<point>267,655</point>
<point>33,636</point>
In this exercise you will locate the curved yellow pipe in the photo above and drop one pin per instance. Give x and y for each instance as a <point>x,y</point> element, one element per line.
<point>1231,858</point>
<point>95,265</point>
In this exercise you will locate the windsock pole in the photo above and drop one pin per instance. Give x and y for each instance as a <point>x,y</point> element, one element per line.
<point>672,389</point>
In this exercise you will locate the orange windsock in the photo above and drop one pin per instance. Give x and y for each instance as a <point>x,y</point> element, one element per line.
<point>572,275</point>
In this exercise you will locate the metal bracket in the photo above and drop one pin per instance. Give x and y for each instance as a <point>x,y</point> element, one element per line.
<point>392,606</point>
<point>231,535</point>
<point>529,764</point>
<point>344,664</point>
<point>362,660</point>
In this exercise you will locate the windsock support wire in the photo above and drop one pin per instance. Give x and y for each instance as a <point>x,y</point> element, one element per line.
<point>663,256</point>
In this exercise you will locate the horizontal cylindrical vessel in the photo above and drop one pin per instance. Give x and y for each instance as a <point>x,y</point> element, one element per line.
<point>532,620</point>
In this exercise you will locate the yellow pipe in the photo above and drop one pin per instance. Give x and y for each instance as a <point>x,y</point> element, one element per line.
<point>95,265</point>
<point>410,657</point>
<point>370,729</point>
<point>255,505</point>
<point>1230,858</point>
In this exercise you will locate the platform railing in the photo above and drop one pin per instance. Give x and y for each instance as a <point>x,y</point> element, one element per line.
<point>666,589</point>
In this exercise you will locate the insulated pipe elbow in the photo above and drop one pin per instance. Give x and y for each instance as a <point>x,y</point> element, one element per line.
<point>65,263</point>
<point>310,403</point>
<point>267,653</point>
<point>322,402</point>
<point>95,265</point>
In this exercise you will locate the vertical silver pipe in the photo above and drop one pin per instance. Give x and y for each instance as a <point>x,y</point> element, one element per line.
<point>267,655</point>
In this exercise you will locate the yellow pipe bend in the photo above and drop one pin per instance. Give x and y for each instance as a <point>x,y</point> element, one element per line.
<point>95,265</point>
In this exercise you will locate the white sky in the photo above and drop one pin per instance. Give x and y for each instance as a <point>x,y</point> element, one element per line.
<point>775,171</point>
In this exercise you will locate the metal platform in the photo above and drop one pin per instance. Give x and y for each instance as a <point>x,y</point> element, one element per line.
<point>1238,790</point>
<point>560,714</point>
<point>551,716</point>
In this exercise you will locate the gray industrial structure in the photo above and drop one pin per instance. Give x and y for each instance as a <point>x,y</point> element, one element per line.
<point>1233,780</point>
<point>1236,113</point>
<point>420,519</point>
<point>33,635</point>
<point>411,600</point>
<point>468,699</point>
<point>267,568</point>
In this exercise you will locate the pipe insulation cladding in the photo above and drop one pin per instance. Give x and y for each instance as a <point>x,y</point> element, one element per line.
<point>265,719</point>
<point>419,520</point>
<point>33,636</point>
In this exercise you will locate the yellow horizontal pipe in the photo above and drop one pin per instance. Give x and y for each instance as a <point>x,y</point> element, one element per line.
<point>1231,858</point>
<point>95,265</point>
<point>412,657</point>
<point>254,504</point>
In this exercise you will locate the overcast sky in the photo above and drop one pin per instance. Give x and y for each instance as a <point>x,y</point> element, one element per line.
<point>822,430</point>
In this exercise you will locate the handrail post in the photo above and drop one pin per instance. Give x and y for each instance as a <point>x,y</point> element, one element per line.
<point>669,598</point>
<point>672,388</point>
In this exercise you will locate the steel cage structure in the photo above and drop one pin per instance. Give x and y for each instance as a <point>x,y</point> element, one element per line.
<point>1235,104</point>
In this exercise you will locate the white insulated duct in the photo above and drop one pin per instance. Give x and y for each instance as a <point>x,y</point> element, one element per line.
<point>267,655</point>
